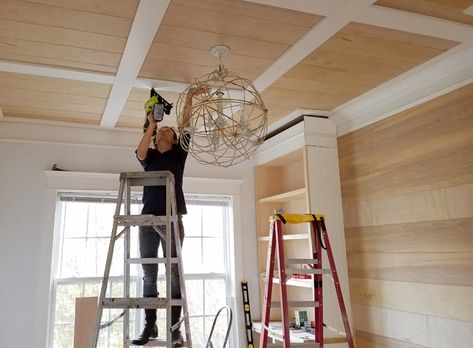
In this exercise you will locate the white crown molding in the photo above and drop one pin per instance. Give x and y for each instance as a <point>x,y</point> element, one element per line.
<point>293,115</point>
<point>145,25</point>
<point>443,74</point>
<point>415,23</point>
<point>43,71</point>
<point>310,41</point>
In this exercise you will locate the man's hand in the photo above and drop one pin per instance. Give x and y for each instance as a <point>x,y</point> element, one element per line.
<point>152,122</point>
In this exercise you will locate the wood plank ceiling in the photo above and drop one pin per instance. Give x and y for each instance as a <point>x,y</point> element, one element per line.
<point>90,36</point>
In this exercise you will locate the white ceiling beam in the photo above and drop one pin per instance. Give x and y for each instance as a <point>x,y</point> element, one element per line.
<point>311,40</point>
<point>145,25</point>
<point>161,85</point>
<point>415,23</point>
<point>43,71</point>
<point>443,74</point>
<point>468,11</point>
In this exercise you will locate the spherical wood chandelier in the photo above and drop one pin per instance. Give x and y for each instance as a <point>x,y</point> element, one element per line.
<point>228,121</point>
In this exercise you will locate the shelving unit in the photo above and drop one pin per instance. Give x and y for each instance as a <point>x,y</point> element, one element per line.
<point>297,172</point>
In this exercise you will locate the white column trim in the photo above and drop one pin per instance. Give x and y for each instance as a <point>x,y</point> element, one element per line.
<point>311,40</point>
<point>145,25</point>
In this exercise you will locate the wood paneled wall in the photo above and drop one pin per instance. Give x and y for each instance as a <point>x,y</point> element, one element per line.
<point>407,190</point>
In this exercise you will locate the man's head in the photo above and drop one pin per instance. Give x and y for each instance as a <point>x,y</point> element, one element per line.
<point>166,134</point>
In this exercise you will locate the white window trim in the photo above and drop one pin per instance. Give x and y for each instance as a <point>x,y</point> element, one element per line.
<point>58,181</point>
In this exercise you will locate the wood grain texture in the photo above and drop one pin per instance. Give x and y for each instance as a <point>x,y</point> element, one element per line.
<point>52,98</point>
<point>407,190</point>
<point>369,340</point>
<point>356,59</point>
<point>257,34</point>
<point>414,328</point>
<point>65,35</point>
<point>451,10</point>
<point>454,302</point>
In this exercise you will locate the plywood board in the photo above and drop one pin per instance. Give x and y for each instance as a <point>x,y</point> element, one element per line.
<point>447,268</point>
<point>85,314</point>
<point>55,99</point>
<point>446,203</point>
<point>356,59</point>
<point>257,34</point>
<point>368,340</point>
<point>454,302</point>
<point>424,330</point>
<point>451,10</point>
<point>436,236</point>
<point>61,34</point>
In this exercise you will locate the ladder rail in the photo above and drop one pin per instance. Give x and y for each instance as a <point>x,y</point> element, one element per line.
<point>171,225</point>
<point>103,290</point>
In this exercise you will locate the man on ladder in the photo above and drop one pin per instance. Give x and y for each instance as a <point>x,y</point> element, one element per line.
<point>168,155</point>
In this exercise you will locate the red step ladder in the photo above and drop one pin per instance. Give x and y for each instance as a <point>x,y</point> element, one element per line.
<point>320,241</point>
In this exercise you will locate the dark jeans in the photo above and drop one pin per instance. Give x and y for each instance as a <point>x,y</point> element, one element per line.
<point>149,245</point>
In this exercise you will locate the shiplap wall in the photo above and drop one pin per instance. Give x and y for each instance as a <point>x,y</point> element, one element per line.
<point>407,189</point>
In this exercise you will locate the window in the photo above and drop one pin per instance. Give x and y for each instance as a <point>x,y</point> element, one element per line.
<point>84,224</point>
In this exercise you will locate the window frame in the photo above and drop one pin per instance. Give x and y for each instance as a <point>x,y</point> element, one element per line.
<point>103,182</point>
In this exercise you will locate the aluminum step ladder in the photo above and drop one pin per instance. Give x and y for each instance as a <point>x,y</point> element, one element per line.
<point>313,268</point>
<point>170,221</point>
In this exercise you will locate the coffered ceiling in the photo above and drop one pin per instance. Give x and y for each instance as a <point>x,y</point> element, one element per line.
<point>92,62</point>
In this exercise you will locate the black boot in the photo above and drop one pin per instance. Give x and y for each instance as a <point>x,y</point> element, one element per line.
<point>150,330</point>
<point>177,339</point>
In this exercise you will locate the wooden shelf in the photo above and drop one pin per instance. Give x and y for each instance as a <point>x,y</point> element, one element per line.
<point>297,336</point>
<point>284,197</point>
<point>301,283</point>
<point>287,237</point>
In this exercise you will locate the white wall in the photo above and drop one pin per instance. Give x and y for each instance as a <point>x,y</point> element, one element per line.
<point>26,151</point>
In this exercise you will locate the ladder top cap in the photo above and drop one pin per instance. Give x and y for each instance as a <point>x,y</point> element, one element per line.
<point>297,218</point>
<point>151,174</point>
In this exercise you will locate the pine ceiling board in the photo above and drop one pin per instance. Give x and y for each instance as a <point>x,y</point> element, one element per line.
<point>451,10</point>
<point>253,10</point>
<point>30,84</point>
<point>22,51</point>
<point>58,36</point>
<point>116,8</point>
<point>62,17</point>
<point>191,28</point>
<point>355,60</point>
<point>52,98</point>
<point>33,112</point>
<point>133,114</point>
<point>182,72</point>
<point>240,46</point>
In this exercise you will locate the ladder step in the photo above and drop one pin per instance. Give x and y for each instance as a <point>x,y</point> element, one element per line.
<point>138,302</point>
<point>142,220</point>
<point>150,260</point>
<point>296,304</point>
<point>308,271</point>
<point>155,342</point>
<point>306,344</point>
<point>302,261</point>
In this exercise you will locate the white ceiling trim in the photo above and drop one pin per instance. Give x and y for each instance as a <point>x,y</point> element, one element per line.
<point>468,10</point>
<point>415,23</point>
<point>313,39</point>
<point>293,115</point>
<point>145,25</point>
<point>43,71</point>
<point>441,75</point>
<point>165,86</point>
